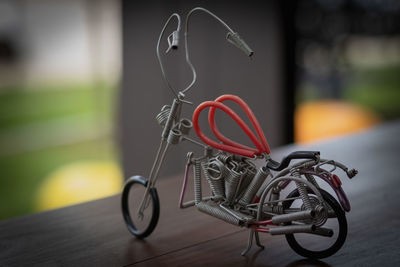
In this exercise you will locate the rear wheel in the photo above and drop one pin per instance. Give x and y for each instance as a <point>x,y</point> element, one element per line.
<point>309,245</point>
<point>139,224</point>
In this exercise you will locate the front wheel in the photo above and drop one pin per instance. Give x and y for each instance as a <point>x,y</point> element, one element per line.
<point>309,245</point>
<point>140,224</point>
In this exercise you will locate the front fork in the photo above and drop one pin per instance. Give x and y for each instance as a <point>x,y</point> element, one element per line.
<point>162,151</point>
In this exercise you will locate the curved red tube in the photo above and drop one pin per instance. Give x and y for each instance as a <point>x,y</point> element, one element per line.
<point>262,141</point>
<point>259,229</point>
<point>219,135</point>
<point>247,152</point>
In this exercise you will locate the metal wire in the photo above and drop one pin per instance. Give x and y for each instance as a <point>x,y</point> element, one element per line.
<point>174,136</point>
<point>276,181</point>
<point>224,213</point>
<point>186,41</point>
<point>229,177</point>
<point>255,184</point>
<point>152,176</point>
<point>185,137</point>
<point>224,157</point>
<point>158,50</point>
<point>231,183</point>
<point>163,115</point>
<point>321,212</point>
<point>216,185</point>
<point>197,181</point>
<point>302,190</point>
<point>185,125</point>
<point>312,180</point>
<point>217,169</point>
<point>213,209</point>
<point>247,178</point>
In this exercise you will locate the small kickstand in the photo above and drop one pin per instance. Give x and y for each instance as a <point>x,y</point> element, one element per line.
<point>249,243</point>
<point>258,241</point>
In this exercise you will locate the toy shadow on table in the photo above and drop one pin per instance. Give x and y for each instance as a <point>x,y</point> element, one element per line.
<point>308,262</point>
<point>251,261</point>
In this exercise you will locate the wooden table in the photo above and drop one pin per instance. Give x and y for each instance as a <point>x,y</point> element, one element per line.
<point>94,234</point>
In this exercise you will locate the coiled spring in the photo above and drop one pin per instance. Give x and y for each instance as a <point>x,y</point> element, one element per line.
<point>197,182</point>
<point>214,173</point>
<point>250,172</point>
<point>185,125</point>
<point>311,179</point>
<point>163,115</point>
<point>255,184</point>
<point>224,158</point>
<point>174,136</point>
<point>214,210</point>
<point>232,178</point>
<point>302,190</point>
<point>232,181</point>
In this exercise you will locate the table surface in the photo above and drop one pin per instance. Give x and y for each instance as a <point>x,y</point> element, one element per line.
<point>94,234</point>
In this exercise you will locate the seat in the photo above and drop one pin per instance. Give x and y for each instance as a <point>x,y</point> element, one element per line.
<point>276,166</point>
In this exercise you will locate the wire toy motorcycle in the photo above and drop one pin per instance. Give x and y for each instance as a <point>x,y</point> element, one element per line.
<point>242,194</point>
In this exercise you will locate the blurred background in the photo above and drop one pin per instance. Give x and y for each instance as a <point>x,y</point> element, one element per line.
<point>80,84</point>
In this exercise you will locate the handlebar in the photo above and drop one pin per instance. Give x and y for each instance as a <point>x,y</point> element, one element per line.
<point>232,37</point>
<point>172,44</point>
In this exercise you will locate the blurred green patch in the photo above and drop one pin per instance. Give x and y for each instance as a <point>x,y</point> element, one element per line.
<point>377,89</point>
<point>23,174</point>
<point>44,128</point>
<point>28,105</point>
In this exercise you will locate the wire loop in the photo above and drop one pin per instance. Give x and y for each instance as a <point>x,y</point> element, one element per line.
<point>227,144</point>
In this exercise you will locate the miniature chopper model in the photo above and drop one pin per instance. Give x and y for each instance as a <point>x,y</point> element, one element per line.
<point>242,194</point>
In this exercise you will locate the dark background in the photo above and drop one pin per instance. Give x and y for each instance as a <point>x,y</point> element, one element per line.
<point>265,82</point>
<point>304,51</point>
